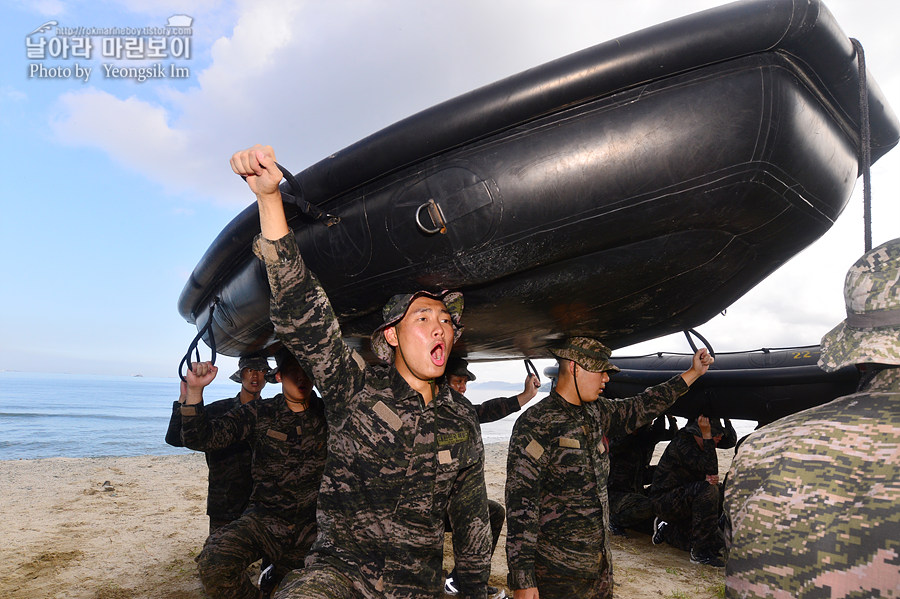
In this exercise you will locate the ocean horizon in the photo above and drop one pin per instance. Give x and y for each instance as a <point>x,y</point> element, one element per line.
<point>49,415</point>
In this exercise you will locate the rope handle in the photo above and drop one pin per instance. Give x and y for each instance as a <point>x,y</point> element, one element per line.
<point>865,143</point>
<point>193,347</point>
<point>702,339</point>
<point>531,370</point>
<point>296,198</point>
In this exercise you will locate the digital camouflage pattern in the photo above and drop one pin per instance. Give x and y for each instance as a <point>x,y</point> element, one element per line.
<point>813,501</point>
<point>556,499</point>
<point>872,298</point>
<point>395,465</point>
<point>288,457</point>
<point>230,477</point>
<point>683,498</point>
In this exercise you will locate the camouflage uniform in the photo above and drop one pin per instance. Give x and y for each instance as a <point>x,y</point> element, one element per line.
<point>395,465</point>
<point>556,498</point>
<point>629,471</point>
<point>230,478</point>
<point>489,411</point>
<point>813,500</point>
<point>682,496</point>
<point>288,459</point>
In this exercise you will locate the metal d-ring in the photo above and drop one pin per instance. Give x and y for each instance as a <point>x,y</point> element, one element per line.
<point>437,218</point>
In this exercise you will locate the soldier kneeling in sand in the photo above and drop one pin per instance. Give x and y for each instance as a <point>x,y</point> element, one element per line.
<point>288,437</point>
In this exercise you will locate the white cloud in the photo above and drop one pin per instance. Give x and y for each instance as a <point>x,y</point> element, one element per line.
<point>133,132</point>
<point>311,78</point>
<point>169,7</point>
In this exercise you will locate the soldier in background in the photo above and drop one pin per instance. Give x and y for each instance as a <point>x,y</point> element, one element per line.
<point>630,471</point>
<point>230,479</point>
<point>686,492</point>
<point>403,448</point>
<point>813,499</point>
<point>288,437</point>
<point>558,463</point>
<point>458,376</point>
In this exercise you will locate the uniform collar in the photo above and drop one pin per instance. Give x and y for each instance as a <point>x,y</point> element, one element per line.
<point>403,393</point>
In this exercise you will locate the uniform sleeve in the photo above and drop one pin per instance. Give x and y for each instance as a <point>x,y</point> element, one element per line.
<point>173,433</point>
<point>628,415</point>
<point>469,518</point>
<point>202,433</point>
<point>684,462</point>
<point>523,492</point>
<point>709,463</point>
<point>305,321</point>
<point>729,439</point>
<point>497,408</point>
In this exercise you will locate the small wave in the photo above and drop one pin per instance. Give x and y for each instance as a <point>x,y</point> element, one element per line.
<point>12,415</point>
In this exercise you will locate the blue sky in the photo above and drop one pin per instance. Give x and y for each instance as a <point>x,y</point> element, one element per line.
<point>115,188</point>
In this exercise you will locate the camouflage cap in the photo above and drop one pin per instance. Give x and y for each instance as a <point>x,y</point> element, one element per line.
<point>255,362</point>
<point>395,309</point>
<point>871,331</point>
<point>588,353</point>
<point>459,367</point>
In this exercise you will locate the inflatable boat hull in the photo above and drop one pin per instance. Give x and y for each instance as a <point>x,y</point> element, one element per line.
<point>628,191</point>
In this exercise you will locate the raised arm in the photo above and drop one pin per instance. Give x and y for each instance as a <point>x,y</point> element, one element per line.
<point>300,310</point>
<point>699,365</point>
<point>500,407</point>
<point>198,431</point>
<point>257,166</point>
<point>173,433</point>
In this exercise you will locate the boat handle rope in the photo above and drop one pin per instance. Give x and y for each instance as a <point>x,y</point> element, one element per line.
<point>296,198</point>
<point>865,143</point>
<point>531,370</point>
<point>193,347</point>
<point>702,339</point>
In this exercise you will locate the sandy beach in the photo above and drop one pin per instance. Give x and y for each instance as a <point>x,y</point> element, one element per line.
<point>116,528</point>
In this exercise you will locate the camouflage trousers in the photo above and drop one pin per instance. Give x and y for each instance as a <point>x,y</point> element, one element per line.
<point>217,523</point>
<point>228,553</point>
<point>553,586</point>
<point>496,513</point>
<point>317,583</point>
<point>692,515</point>
<point>631,510</point>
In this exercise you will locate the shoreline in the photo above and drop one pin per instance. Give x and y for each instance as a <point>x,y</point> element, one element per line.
<point>121,527</point>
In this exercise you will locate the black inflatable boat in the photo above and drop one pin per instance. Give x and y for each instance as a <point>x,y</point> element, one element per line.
<point>627,191</point>
<point>762,385</point>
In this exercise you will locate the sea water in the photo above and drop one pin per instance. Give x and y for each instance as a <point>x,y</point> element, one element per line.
<point>66,415</point>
